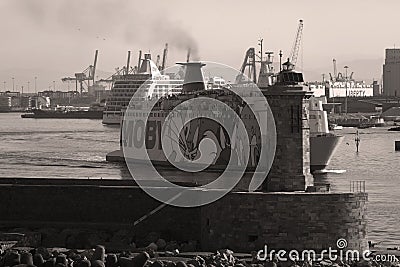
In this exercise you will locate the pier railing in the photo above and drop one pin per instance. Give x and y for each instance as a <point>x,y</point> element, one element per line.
<point>357,186</point>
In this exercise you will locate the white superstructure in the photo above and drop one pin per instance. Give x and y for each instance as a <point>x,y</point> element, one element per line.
<point>125,86</point>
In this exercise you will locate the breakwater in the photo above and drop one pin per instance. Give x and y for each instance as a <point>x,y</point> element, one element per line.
<point>96,209</point>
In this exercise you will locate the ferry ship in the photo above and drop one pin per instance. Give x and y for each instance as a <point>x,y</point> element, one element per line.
<point>200,126</point>
<point>125,86</point>
<point>323,143</point>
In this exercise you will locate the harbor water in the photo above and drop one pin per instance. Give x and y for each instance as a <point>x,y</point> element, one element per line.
<point>76,149</point>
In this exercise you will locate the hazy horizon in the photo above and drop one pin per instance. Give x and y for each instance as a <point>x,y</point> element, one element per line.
<point>54,39</point>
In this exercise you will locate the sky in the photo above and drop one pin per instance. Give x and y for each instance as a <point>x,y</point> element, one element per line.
<point>52,39</point>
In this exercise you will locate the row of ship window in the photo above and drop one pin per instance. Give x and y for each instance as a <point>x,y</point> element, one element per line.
<point>164,114</point>
<point>118,104</point>
<point>127,86</point>
<point>130,94</point>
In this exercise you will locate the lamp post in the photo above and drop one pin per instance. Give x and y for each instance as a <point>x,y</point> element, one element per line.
<point>54,86</point>
<point>13,83</point>
<point>346,80</point>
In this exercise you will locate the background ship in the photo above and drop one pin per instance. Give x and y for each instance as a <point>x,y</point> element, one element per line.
<point>125,86</point>
<point>323,143</point>
<point>341,85</point>
<point>66,112</point>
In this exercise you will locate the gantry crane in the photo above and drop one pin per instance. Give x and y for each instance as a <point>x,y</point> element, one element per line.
<point>338,76</point>
<point>84,77</point>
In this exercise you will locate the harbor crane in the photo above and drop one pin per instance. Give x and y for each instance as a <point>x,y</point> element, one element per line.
<point>296,45</point>
<point>125,70</point>
<point>338,76</point>
<point>84,77</point>
<point>128,69</point>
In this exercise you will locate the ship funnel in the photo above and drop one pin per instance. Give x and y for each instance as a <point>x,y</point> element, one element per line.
<point>145,67</point>
<point>194,78</point>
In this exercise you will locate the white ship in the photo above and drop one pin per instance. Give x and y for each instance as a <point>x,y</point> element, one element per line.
<point>323,143</point>
<point>125,86</point>
<point>341,88</point>
<point>193,132</point>
<point>341,85</point>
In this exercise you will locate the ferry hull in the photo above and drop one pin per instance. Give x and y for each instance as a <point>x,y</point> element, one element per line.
<point>322,148</point>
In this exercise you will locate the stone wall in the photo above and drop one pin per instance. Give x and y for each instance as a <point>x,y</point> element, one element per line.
<point>110,207</point>
<point>248,221</point>
<point>240,221</point>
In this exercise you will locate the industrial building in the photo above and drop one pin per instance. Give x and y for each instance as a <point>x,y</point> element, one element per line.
<point>391,72</point>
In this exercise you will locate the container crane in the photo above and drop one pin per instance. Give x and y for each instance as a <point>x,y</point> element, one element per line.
<point>338,76</point>
<point>85,76</point>
<point>125,70</point>
<point>296,46</point>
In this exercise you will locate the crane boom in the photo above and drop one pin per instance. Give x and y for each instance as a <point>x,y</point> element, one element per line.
<point>94,65</point>
<point>296,46</point>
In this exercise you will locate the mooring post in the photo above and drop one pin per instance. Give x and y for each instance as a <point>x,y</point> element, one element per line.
<point>357,139</point>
